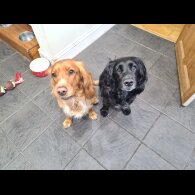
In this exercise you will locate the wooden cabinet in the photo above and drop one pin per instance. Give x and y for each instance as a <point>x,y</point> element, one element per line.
<point>183,35</point>
<point>185,52</point>
<point>170,32</point>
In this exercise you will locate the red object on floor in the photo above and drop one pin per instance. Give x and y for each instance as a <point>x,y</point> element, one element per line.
<point>11,84</point>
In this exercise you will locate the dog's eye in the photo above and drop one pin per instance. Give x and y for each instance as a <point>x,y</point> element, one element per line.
<point>53,75</point>
<point>70,72</point>
<point>133,68</point>
<point>120,69</point>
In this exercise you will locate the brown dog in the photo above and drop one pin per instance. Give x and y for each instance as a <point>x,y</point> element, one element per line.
<point>74,90</point>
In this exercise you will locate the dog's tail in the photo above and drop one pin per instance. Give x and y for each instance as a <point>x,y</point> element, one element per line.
<point>96,82</point>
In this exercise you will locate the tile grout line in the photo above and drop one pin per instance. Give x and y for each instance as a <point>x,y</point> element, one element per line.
<point>20,153</point>
<point>43,111</point>
<point>170,85</point>
<point>15,147</point>
<point>71,159</point>
<point>29,101</point>
<point>12,160</point>
<point>173,60</point>
<point>125,129</point>
<point>95,130</point>
<point>150,104</point>
<point>178,123</point>
<point>95,159</point>
<point>153,64</point>
<point>31,98</point>
<point>20,108</point>
<point>134,136</point>
<point>160,155</point>
<point>37,137</point>
<point>1,61</point>
<point>33,102</point>
<point>47,88</point>
<point>83,146</point>
<point>66,132</point>
<point>88,154</point>
<point>25,71</point>
<point>188,161</point>
<point>141,141</point>
<point>5,76</point>
<point>143,45</point>
<point>19,148</point>
<point>94,133</point>
<point>151,127</point>
<point>129,159</point>
<point>40,92</point>
<point>51,123</point>
<point>27,160</point>
<point>12,141</point>
<point>162,112</point>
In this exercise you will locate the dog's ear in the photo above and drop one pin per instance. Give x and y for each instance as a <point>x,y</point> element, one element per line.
<point>86,81</point>
<point>48,71</point>
<point>106,78</point>
<point>141,75</point>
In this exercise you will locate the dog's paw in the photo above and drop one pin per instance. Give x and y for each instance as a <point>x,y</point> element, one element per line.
<point>67,123</point>
<point>103,112</point>
<point>92,115</point>
<point>126,111</point>
<point>96,101</point>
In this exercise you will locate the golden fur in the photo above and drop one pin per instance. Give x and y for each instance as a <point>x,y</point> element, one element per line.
<point>81,94</point>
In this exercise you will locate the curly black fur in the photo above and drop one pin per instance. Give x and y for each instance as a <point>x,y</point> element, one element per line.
<point>120,82</point>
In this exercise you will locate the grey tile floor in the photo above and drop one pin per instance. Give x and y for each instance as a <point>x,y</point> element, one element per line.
<point>159,133</point>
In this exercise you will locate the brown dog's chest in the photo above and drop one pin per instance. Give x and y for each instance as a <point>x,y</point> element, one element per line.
<point>76,107</point>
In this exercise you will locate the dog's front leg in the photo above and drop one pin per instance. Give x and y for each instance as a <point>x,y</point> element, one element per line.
<point>92,115</point>
<point>125,108</point>
<point>104,110</point>
<point>67,122</point>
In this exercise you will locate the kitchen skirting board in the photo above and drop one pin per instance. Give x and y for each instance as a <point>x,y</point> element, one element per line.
<point>79,45</point>
<point>191,99</point>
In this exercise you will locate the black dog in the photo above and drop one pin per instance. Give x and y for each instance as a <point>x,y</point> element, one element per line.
<point>120,82</point>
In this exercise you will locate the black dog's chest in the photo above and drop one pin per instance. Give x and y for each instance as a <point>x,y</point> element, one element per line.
<point>117,97</point>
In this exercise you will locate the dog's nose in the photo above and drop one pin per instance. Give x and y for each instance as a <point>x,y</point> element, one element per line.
<point>128,83</point>
<point>62,91</point>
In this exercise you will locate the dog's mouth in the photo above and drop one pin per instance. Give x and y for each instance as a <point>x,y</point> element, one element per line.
<point>67,98</point>
<point>131,89</point>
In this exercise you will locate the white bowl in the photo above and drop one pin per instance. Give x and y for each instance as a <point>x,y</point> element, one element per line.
<point>39,67</point>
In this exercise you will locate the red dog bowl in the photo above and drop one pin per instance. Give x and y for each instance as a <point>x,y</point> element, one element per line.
<point>39,67</point>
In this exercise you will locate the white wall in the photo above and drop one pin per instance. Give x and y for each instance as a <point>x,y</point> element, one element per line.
<point>68,33</point>
<point>59,41</point>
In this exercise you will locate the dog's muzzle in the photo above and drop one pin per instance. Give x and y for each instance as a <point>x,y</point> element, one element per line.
<point>128,84</point>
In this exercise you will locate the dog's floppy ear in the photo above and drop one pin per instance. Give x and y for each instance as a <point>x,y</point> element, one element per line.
<point>86,81</point>
<point>141,75</point>
<point>48,71</point>
<point>106,78</point>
